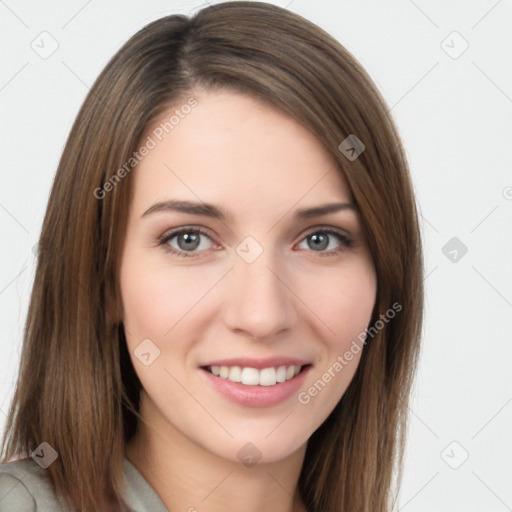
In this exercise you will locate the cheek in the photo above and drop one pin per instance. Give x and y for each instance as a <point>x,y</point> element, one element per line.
<point>147,302</point>
<point>157,297</point>
<point>355,301</point>
<point>342,301</point>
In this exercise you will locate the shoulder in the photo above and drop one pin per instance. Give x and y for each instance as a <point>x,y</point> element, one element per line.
<point>25,487</point>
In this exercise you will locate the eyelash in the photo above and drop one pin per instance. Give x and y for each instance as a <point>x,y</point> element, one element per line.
<point>163,240</point>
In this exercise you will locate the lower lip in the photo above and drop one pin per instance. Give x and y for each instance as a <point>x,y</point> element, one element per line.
<point>256,396</point>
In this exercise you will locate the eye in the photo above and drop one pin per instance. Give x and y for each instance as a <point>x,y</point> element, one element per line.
<point>326,242</point>
<point>190,242</point>
<point>186,241</point>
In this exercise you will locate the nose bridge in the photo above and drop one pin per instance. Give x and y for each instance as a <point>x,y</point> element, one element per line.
<point>259,302</point>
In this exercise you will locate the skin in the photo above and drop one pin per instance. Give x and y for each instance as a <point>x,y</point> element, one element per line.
<point>259,165</point>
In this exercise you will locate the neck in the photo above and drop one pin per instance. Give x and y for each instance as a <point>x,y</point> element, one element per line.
<point>187,477</point>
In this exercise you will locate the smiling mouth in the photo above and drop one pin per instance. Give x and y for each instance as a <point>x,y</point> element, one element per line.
<point>256,377</point>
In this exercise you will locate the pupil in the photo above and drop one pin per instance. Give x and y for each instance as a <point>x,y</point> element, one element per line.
<point>190,241</point>
<point>319,241</point>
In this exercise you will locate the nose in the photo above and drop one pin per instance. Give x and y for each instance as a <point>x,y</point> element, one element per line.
<point>259,301</point>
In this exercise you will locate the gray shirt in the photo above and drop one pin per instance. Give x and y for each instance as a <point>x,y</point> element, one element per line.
<point>24,487</point>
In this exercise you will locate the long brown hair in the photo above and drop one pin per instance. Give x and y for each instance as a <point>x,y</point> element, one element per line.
<point>77,389</point>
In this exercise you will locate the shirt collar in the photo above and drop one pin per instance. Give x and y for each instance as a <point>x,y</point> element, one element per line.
<point>139,495</point>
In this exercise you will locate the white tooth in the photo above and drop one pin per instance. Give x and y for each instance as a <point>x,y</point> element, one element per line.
<point>297,369</point>
<point>215,370</point>
<point>224,372</point>
<point>250,376</point>
<point>235,374</point>
<point>290,372</point>
<point>268,377</point>
<point>281,374</point>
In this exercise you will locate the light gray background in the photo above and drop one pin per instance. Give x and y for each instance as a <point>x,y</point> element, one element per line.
<point>454,114</point>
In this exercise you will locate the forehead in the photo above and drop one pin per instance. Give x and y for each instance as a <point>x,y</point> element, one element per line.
<point>232,147</point>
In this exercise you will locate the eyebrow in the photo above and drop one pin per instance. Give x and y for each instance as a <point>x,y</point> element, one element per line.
<point>209,210</point>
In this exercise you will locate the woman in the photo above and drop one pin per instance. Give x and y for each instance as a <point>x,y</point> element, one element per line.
<point>228,300</point>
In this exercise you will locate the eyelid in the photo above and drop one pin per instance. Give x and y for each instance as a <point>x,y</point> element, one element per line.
<point>326,229</point>
<point>170,233</point>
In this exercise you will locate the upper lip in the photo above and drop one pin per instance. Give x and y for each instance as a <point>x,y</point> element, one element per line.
<point>268,362</point>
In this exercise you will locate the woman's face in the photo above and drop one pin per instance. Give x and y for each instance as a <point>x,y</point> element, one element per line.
<point>228,273</point>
